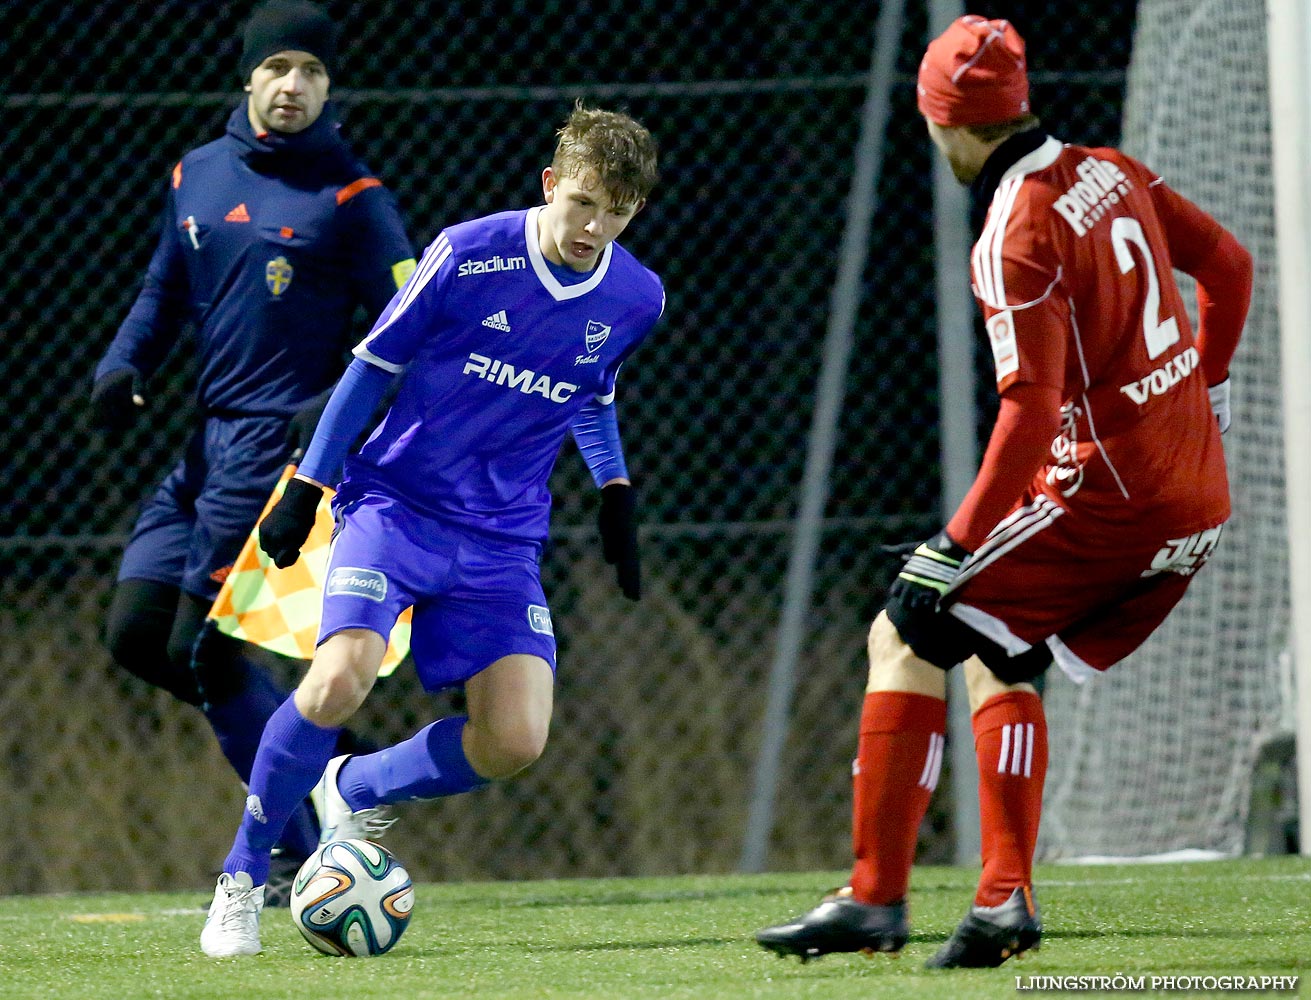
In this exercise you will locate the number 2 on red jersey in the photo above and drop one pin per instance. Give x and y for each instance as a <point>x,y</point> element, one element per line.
<point>1157,332</point>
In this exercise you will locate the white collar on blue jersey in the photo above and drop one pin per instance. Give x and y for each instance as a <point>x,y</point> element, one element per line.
<point>550,282</point>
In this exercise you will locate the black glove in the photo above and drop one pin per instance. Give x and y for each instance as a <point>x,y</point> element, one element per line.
<point>115,401</point>
<point>300,428</point>
<point>618,523</point>
<point>928,573</point>
<point>288,524</point>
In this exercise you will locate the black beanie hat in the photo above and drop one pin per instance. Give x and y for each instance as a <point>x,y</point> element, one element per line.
<point>282,25</point>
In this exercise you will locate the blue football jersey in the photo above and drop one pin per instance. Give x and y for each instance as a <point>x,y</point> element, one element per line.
<point>499,355</point>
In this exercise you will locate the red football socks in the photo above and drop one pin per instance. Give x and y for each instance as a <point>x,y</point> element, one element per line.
<point>1010,740</point>
<point>897,767</point>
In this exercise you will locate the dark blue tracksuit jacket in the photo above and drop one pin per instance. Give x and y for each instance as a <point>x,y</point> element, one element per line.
<point>268,244</point>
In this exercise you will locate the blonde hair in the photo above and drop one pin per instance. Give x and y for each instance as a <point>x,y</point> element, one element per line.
<point>608,148</point>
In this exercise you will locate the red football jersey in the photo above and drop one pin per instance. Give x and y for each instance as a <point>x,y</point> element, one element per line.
<point>1074,273</point>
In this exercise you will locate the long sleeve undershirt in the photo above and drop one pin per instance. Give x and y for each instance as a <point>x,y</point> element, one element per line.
<point>353,402</point>
<point>596,432</point>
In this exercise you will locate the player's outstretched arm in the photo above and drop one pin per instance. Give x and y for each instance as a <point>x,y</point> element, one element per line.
<point>1017,449</point>
<point>353,401</point>
<point>1028,420</point>
<point>284,531</point>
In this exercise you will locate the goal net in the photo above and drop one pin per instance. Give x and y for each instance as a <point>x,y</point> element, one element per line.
<point>1157,755</point>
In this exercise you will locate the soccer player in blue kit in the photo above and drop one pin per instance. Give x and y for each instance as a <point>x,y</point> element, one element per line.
<point>272,237</point>
<point>510,335</point>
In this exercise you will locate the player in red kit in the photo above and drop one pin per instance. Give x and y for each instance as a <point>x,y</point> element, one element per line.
<point>1101,492</point>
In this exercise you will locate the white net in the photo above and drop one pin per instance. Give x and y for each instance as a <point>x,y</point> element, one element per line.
<point>1157,756</point>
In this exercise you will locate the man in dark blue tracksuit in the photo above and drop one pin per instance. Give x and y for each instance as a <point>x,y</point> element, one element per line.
<point>272,236</point>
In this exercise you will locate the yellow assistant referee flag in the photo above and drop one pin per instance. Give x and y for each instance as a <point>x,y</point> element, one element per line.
<point>279,608</point>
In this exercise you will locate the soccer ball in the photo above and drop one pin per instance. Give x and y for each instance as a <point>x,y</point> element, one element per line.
<point>352,897</point>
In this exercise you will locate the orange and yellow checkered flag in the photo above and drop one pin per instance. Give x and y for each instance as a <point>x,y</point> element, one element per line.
<point>279,609</point>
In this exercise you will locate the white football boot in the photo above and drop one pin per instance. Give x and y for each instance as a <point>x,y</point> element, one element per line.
<point>232,927</point>
<point>337,821</point>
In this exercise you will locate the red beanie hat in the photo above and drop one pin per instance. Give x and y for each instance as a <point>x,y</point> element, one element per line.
<point>974,74</point>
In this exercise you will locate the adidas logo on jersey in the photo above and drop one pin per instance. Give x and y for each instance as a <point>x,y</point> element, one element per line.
<point>238,214</point>
<point>526,381</point>
<point>498,321</point>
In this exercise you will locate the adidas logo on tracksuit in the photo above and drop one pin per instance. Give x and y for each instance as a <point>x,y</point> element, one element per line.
<point>498,321</point>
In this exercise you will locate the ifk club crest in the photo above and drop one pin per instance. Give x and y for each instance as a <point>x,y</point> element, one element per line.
<point>595,336</point>
<point>278,274</point>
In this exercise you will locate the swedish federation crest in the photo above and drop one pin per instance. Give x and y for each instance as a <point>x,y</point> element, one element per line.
<point>278,274</point>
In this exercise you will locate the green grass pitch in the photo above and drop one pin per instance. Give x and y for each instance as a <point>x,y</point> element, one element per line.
<point>683,937</point>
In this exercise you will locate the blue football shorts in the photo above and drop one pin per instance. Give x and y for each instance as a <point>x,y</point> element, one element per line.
<point>476,599</point>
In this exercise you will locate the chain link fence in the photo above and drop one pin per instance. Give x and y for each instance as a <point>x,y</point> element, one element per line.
<point>756,106</point>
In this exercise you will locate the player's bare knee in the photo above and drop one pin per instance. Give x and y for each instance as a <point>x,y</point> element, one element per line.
<point>518,753</point>
<point>333,691</point>
<point>893,665</point>
<point>505,761</point>
<point>330,697</point>
<point>524,742</point>
<point>341,676</point>
<point>503,748</point>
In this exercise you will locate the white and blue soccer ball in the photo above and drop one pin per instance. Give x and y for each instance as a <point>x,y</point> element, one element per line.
<point>352,897</point>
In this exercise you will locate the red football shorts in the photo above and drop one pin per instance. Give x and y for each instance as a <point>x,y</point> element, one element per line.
<point>1038,577</point>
